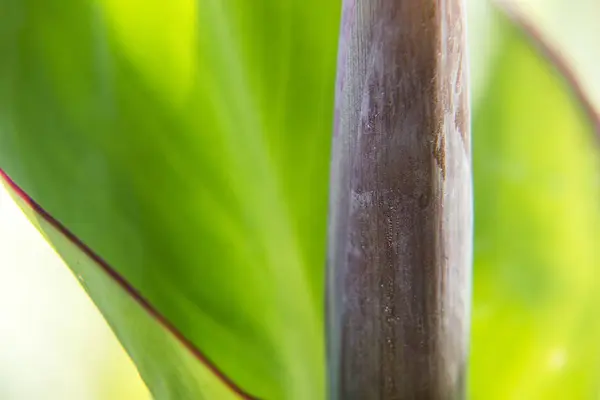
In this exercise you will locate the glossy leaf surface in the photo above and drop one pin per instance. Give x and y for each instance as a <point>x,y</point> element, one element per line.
<point>186,143</point>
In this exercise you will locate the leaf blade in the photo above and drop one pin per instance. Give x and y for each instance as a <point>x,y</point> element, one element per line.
<point>193,192</point>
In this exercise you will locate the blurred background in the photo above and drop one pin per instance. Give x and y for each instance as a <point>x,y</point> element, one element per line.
<point>55,345</point>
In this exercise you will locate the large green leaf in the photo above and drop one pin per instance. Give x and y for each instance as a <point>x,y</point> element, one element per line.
<point>537,232</point>
<point>186,143</point>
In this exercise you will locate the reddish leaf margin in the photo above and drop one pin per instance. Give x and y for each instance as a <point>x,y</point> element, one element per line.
<point>126,286</point>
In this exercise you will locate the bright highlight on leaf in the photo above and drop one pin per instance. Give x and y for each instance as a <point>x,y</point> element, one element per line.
<point>159,41</point>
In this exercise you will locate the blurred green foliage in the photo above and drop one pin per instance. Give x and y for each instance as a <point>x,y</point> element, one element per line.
<point>535,332</point>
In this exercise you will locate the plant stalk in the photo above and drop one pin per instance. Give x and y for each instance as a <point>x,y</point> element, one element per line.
<point>400,217</point>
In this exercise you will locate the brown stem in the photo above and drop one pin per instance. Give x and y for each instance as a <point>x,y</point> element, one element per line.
<point>400,228</point>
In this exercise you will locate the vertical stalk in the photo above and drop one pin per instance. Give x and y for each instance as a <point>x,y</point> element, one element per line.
<point>400,228</point>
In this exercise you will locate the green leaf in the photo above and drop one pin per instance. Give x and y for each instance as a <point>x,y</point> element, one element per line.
<point>186,377</point>
<point>537,211</point>
<point>186,143</point>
